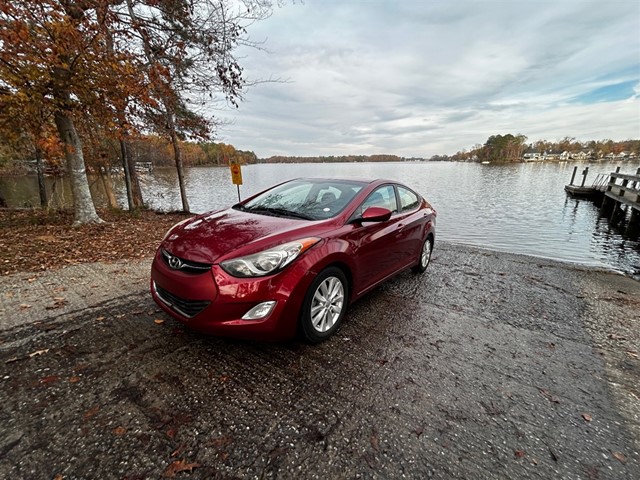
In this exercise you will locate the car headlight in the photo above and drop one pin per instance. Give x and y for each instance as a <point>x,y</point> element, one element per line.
<point>269,261</point>
<point>175,226</point>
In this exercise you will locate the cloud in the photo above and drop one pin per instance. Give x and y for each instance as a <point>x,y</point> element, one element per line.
<point>420,78</point>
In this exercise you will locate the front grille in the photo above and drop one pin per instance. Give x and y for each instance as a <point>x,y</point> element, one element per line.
<point>187,308</point>
<point>186,266</point>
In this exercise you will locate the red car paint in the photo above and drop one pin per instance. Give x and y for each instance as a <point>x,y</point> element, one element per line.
<point>368,252</point>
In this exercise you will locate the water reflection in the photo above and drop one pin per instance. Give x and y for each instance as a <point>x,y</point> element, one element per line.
<point>520,208</point>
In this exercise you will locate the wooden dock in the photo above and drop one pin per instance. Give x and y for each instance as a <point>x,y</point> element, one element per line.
<point>618,195</point>
<point>595,191</point>
<point>143,167</point>
<point>621,195</point>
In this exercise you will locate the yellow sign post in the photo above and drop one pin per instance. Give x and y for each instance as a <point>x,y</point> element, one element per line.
<point>236,176</point>
<point>236,173</point>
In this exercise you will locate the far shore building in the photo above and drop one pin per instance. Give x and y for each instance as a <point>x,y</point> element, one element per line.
<point>557,156</point>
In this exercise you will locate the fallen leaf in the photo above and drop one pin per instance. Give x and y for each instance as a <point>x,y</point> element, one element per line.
<point>24,306</point>
<point>220,442</point>
<point>74,379</point>
<point>91,412</point>
<point>49,379</point>
<point>518,453</point>
<point>38,352</point>
<point>119,431</point>
<point>179,466</point>
<point>57,303</point>
<point>46,238</point>
<point>587,417</point>
<point>374,440</point>
<point>99,319</point>
<point>549,396</point>
<point>171,432</point>
<point>620,457</point>
<point>158,321</point>
<point>178,450</point>
<point>58,477</point>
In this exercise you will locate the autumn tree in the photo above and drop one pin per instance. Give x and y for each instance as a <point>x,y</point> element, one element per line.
<point>25,127</point>
<point>54,52</point>
<point>503,148</point>
<point>189,49</point>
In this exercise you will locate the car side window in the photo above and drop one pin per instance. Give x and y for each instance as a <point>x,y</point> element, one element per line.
<point>408,199</point>
<point>384,197</point>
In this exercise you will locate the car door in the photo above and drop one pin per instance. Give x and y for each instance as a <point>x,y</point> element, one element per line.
<point>410,230</point>
<point>376,254</point>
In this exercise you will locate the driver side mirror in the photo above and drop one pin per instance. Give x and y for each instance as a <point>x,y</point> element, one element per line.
<point>375,214</point>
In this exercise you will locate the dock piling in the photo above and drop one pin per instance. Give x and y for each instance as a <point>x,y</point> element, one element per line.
<point>573,176</point>
<point>584,176</point>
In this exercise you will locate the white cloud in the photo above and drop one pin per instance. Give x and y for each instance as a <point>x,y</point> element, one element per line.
<point>425,77</point>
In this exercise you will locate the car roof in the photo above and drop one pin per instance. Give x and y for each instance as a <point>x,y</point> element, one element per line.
<point>346,179</point>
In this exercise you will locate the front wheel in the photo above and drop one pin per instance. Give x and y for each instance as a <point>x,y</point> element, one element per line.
<point>324,306</point>
<point>425,256</point>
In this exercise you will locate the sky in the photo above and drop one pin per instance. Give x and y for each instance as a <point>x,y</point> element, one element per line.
<point>416,78</point>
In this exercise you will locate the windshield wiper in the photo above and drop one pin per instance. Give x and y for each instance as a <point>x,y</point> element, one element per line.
<point>278,212</point>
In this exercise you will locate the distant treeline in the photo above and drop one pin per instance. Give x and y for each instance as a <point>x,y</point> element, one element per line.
<point>513,148</point>
<point>334,159</point>
<point>104,155</point>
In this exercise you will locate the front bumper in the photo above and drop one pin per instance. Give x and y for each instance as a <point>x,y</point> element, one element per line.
<point>214,302</point>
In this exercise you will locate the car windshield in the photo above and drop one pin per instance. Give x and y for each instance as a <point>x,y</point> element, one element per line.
<point>304,199</point>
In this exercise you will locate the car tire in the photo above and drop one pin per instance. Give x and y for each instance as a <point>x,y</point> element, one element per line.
<point>425,256</point>
<point>325,305</point>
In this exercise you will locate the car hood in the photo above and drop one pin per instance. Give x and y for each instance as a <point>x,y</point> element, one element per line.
<point>208,237</point>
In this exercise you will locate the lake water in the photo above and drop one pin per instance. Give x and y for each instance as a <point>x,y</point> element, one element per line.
<point>518,208</point>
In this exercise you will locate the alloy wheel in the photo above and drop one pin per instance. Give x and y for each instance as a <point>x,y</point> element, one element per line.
<point>327,304</point>
<point>426,254</point>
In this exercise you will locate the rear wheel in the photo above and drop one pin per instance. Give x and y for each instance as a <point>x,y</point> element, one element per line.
<point>425,256</point>
<point>324,305</point>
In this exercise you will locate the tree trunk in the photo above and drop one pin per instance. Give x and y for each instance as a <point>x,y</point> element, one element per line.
<point>105,176</point>
<point>177,152</point>
<point>127,175</point>
<point>84,210</point>
<point>42,191</point>
<point>136,190</point>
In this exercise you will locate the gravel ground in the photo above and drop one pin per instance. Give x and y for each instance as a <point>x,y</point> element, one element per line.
<point>489,366</point>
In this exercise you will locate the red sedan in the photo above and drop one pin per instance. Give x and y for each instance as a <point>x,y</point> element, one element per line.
<point>292,258</point>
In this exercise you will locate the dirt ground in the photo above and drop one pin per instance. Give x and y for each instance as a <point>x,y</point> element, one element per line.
<point>39,240</point>
<point>488,366</point>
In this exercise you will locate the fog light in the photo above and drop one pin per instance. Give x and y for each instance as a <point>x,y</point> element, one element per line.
<point>259,311</point>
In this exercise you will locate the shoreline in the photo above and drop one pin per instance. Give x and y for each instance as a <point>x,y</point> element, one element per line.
<point>36,240</point>
<point>125,268</point>
<point>568,263</point>
<point>23,290</point>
